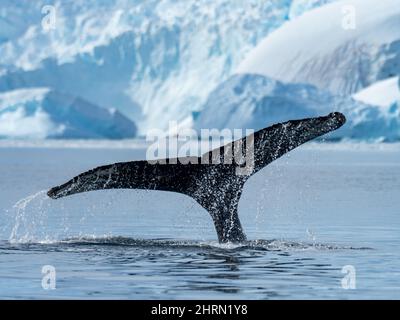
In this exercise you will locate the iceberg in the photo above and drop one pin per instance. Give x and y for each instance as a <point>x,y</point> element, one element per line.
<point>383,93</point>
<point>40,113</point>
<point>250,101</point>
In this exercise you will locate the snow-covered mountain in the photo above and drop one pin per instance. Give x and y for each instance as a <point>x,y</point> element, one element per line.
<point>162,60</point>
<point>154,60</point>
<point>255,101</point>
<point>40,113</point>
<point>341,47</point>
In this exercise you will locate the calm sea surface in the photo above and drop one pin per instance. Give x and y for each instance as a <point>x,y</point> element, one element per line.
<point>320,221</point>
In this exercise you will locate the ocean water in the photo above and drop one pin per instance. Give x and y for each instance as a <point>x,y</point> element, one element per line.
<point>323,222</point>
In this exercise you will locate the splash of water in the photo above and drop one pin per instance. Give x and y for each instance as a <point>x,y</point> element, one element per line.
<point>260,244</point>
<point>311,235</point>
<point>25,220</point>
<point>38,219</point>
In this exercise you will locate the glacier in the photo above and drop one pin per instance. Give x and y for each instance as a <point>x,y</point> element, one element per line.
<point>160,60</point>
<point>153,60</point>
<point>40,113</point>
<point>322,48</point>
<point>255,101</point>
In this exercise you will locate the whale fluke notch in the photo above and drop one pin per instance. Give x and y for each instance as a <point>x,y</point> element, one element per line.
<point>216,187</point>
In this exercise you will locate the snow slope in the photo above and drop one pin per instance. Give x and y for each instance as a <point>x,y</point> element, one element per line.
<point>382,93</point>
<point>155,60</point>
<point>255,101</point>
<point>319,48</point>
<point>39,113</point>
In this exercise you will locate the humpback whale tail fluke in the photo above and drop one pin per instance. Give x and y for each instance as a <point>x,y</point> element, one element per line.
<point>215,185</point>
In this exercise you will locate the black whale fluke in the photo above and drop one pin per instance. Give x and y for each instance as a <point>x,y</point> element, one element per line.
<point>216,187</point>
